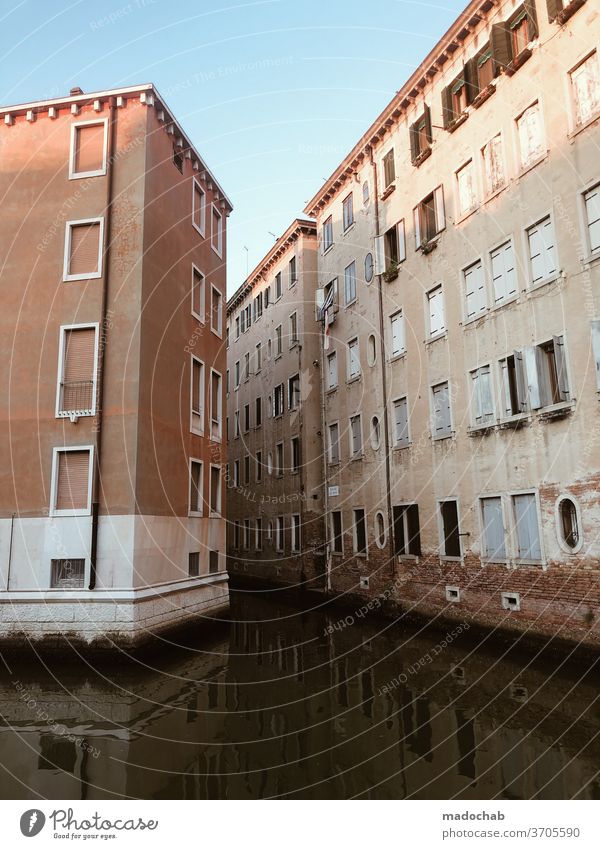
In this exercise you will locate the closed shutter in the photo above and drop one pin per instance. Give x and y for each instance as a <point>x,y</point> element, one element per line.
<point>332,371</point>
<point>85,247</point>
<point>399,538</point>
<point>532,372</point>
<point>72,483</point>
<point>441,407</point>
<point>401,422</point>
<point>401,240</point>
<point>501,46</point>
<point>89,148</point>
<point>414,142</point>
<point>474,289</point>
<point>397,334</point>
<point>520,380</point>
<point>427,114</point>
<point>485,394</point>
<point>447,110</point>
<point>78,369</point>
<point>417,223</point>
<point>470,78</point>
<point>436,311</point>
<point>554,9</point>
<point>561,367</point>
<point>493,529</point>
<point>526,521</point>
<point>596,348</point>
<point>503,272</point>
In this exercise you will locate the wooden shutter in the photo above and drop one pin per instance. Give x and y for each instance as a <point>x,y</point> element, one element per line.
<point>72,482</point>
<point>561,367</point>
<point>414,142</point>
<point>440,211</point>
<point>447,110</point>
<point>596,348</point>
<point>401,421</point>
<point>399,539</point>
<point>471,80</point>
<point>89,148</point>
<point>85,246</point>
<point>520,380</point>
<point>501,46</point>
<point>531,19</point>
<point>427,114</point>
<point>554,7</point>
<point>417,222</point>
<point>526,521</point>
<point>493,528</point>
<point>78,369</point>
<point>401,231</point>
<point>379,251</point>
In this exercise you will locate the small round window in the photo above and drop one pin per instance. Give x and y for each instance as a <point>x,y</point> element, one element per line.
<point>569,524</point>
<point>368,268</point>
<point>371,350</point>
<point>379,529</point>
<point>375,433</point>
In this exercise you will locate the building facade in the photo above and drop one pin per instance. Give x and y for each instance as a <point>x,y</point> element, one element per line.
<point>113,247</point>
<point>275,471</point>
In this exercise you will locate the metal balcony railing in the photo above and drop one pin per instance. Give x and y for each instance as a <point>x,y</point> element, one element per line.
<point>76,396</point>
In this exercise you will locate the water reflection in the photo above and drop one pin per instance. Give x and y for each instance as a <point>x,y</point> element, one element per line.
<point>279,704</point>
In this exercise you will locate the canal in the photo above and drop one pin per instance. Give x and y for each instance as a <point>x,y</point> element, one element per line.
<point>281,702</point>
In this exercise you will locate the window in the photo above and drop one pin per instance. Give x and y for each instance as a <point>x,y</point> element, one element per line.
<point>296,545</point>
<point>257,306</point>
<point>295,447</point>
<point>258,412</point>
<point>336,535</point>
<point>353,359</point>
<point>177,159</point>
<point>332,370</point>
<point>595,324</point>
<point>568,524</point>
<point>194,564</point>
<point>504,275</point>
<point>475,295</point>
<point>493,165</point>
<point>293,329</point>
<point>267,296</point>
<point>429,217</point>
<point>394,247</point>
<point>68,574</point>
<point>356,448</point>
<point>520,34</point>
<point>88,149</point>
<point>246,418</point>
<point>292,274</point>
<point>450,532</point>
<point>294,392</point>
<point>215,490</point>
<point>83,249</point>
<point>216,312</point>
<point>279,533</point>
<point>236,473</point>
<point>198,288</point>
<point>371,350</point>
<point>71,481</point>
<point>278,286</point>
<point>359,531</point>
<point>278,347</point>
<point>546,373</point>
<point>389,169</point>
<point>246,366</point>
<point>259,467</point>
<point>258,357</point>
<point>213,562</point>
<point>270,463</point>
<point>348,211</point>
<point>529,130</point>
<point>542,251</point>
<point>216,234</point>
<point>442,424</point>
<point>237,327</point>
<point>197,396</point>
<point>465,187</point>
<point>485,69</point>
<point>375,433</point>
<point>258,534</point>
<point>279,460</point>
<point>380,529</point>
<point>585,85</point>
<point>401,436</point>
<point>435,311</point>
<point>216,404</point>
<point>237,374</point>
<point>247,525</point>
<point>493,542</point>
<point>327,233</point>
<point>350,283</point>
<point>514,400</point>
<point>455,99</point>
<point>420,137</point>
<point>247,469</point>
<point>592,216</point>
<point>236,534</point>
<point>526,527</point>
<point>334,443</point>
<point>278,400</point>
<point>77,371</point>
<point>482,397</point>
<point>199,207</point>
<point>195,488</point>
<point>407,534</point>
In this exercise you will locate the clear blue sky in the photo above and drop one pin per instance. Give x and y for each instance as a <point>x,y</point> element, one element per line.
<point>273,93</point>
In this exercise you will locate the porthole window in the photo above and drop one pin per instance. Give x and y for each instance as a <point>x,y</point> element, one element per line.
<point>380,529</point>
<point>568,524</point>
<point>368,268</point>
<point>371,350</point>
<point>375,433</point>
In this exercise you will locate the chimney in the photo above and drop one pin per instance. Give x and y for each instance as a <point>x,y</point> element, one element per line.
<point>75,90</point>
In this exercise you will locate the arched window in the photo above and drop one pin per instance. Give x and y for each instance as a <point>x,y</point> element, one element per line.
<point>371,350</point>
<point>380,529</point>
<point>569,523</point>
<point>375,433</point>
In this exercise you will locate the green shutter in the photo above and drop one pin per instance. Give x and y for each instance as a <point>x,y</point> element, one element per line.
<point>532,19</point>
<point>554,9</point>
<point>501,46</point>
<point>427,113</point>
<point>470,78</point>
<point>414,147</point>
<point>447,113</point>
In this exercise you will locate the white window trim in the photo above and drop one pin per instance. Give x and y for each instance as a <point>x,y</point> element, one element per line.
<point>524,168</point>
<point>332,535</point>
<point>78,175</point>
<point>94,275</point>
<point>218,438</point>
<point>54,480</point>
<point>557,523</point>
<point>349,376</point>
<point>395,443</point>
<point>200,316</point>
<point>215,514</point>
<point>451,432</point>
<point>589,256</point>
<point>217,332</point>
<point>330,459</point>
<point>61,354</point>
<point>202,228</point>
<point>488,271</point>
<point>361,453</point>
<point>198,431</point>
<point>485,268</point>
<point>196,513</point>
<point>525,239</point>
<point>438,334</point>
<point>507,537</point>
<point>355,550</point>
<point>441,548</point>
<point>380,545</point>
<point>513,533</point>
<point>219,249</point>
<point>296,549</point>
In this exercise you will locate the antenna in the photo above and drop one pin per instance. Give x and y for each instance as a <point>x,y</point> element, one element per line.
<point>273,234</point>
<point>247,255</point>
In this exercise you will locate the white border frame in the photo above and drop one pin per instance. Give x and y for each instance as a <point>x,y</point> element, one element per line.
<point>217,331</point>
<point>298,548</point>
<point>195,513</point>
<point>200,431</point>
<point>200,316</point>
<point>215,514</point>
<point>361,454</point>
<point>94,275</point>
<point>220,231</point>
<point>567,496</point>
<point>355,551</point>
<point>202,228</point>
<point>380,545</point>
<point>56,450</point>
<point>450,558</point>
<point>218,438</point>
<point>78,175</point>
<point>62,414</point>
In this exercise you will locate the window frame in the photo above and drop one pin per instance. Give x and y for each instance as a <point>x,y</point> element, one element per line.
<point>195,513</point>
<point>349,376</point>
<point>355,550</point>
<point>330,460</point>
<point>201,228</point>
<point>64,414</point>
<point>202,412</point>
<point>218,438</point>
<point>524,167</point>
<point>446,434</point>
<point>201,317</point>
<point>576,125</point>
<point>499,496</point>
<point>60,449</point>
<point>218,332</point>
<point>396,443</point>
<point>347,224</point>
<point>328,232</point>
<point>549,278</point>
<point>453,558</point>
<point>514,533</point>
<point>220,230</point>
<point>296,536</point>
<point>215,514</point>
<point>94,275</point>
<point>437,334</point>
<point>358,455</point>
<point>78,175</point>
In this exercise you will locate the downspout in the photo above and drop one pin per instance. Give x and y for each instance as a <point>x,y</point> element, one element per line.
<point>102,345</point>
<point>386,427</point>
<point>325,467</point>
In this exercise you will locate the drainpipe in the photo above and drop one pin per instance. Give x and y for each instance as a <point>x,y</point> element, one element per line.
<point>325,468</point>
<point>386,428</point>
<point>102,344</point>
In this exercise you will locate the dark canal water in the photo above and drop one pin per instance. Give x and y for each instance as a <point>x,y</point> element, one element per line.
<point>278,703</point>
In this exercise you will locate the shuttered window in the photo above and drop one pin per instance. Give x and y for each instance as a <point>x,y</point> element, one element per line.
<point>334,443</point>
<point>465,185</point>
<point>89,149</point>
<point>504,276</point>
<point>546,373</point>
<point>195,486</point>
<point>72,480</point>
<point>197,396</point>
<point>514,390</point>
<point>529,129</point>
<point>217,231</point>
<point>397,333</point>
<point>83,250</point>
<point>389,169</point>
<point>442,425</point>
<point>213,557</point>
<point>435,305</point>
<point>493,542</point>
<point>296,544</point>
<point>592,212</point>
<point>475,296</point>
<point>77,383</point>
<point>527,527</point>
<point>542,252</point>
<point>482,396</point>
<point>198,288</point>
<point>332,371</point>
<point>350,283</point>
<point>355,436</point>
<point>585,83</point>
<point>407,531</point>
<point>353,359</point>
<point>401,439</point>
<point>493,165</point>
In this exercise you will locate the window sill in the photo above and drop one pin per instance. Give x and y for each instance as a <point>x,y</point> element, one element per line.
<point>331,390</point>
<point>504,303</point>
<point>412,558</point>
<point>494,194</point>
<point>556,411</point>
<point>450,558</point>
<point>353,379</point>
<point>519,60</point>
<point>398,448</point>
<point>420,159</point>
<point>357,457</point>
<point>484,95</point>
<point>539,284</point>
<point>493,561</point>
<point>591,259</point>
<point>364,554</point>
<point>443,437</point>
<point>481,430</point>
<point>564,15</point>
<point>388,191</point>
<point>326,250</point>
<point>456,122</point>
<point>397,357</point>
<point>579,128</point>
<point>351,303</point>
<point>436,337</point>
<point>349,228</point>
<point>464,216</point>
<point>473,319</point>
<point>514,422</point>
<point>333,463</point>
<point>527,168</point>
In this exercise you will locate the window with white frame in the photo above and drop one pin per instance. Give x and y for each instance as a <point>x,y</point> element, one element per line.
<point>397,334</point>
<point>348,211</point>
<point>585,86</point>
<point>296,542</point>
<point>327,233</point>
<point>407,530</point>
<point>356,444</point>
<point>258,412</point>
<point>278,400</point>
<point>216,312</point>
<point>293,329</point>
<point>83,249</point>
<point>246,418</point>
<point>442,421</point>
<point>247,366</point>
<point>353,359</point>
<point>546,373</point>
<point>332,370</point>
<point>68,573</point>
<point>435,311</point>
<point>542,250</point>
<point>475,294</point>
<point>236,374</point>
<point>216,234</point>
<point>359,531</point>
<point>449,529</point>
<point>334,443</point>
<point>258,357</point>
<point>88,148</point>
<point>493,542</point>
<point>196,499</point>
<point>216,405</point>
<point>401,436</point>
<point>482,397</point>
<point>279,527</point>
<point>350,283</point>
<point>197,396</point>
<point>531,135</point>
<point>72,481</point>
<point>513,386</point>
<point>493,165</point>
<point>591,199</point>
<point>77,370</point>
<point>215,490</point>
<point>465,188</point>
<point>526,525</point>
<point>504,273</point>
<point>198,207</point>
<point>198,295</point>
<point>294,392</point>
<point>429,217</point>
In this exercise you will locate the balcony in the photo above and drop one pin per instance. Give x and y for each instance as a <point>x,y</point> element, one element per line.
<point>76,398</point>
